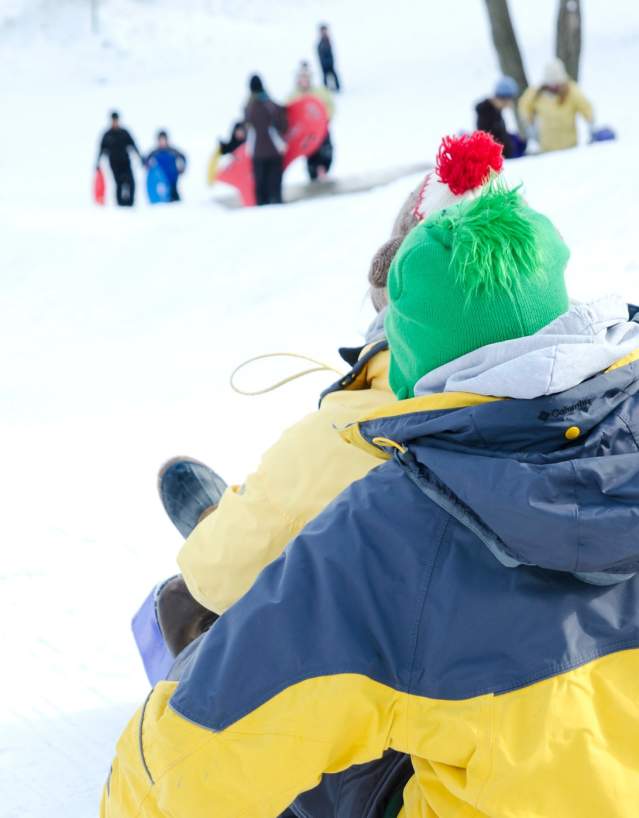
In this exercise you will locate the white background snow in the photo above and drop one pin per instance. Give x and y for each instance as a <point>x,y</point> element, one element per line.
<point>118,329</point>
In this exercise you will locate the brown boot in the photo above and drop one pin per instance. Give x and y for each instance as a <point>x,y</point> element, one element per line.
<point>182,619</point>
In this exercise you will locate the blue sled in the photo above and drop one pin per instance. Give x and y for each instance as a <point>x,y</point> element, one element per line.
<point>155,654</point>
<point>604,134</point>
<point>157,186</point>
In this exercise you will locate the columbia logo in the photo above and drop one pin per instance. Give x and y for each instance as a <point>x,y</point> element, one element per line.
<point>556,414</point>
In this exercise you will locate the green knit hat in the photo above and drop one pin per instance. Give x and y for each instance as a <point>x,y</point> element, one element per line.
<point>482,271</point>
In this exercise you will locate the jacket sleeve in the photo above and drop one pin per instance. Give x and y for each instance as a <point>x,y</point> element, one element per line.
<point>131,144</point>
<point>296,479</point>
<point>527,105</point>
<point>102,150</point>
<point>582,104</point>
<point>222,557</point>
<point>302,677</point>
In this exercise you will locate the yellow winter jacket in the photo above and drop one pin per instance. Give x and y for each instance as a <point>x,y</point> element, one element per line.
<point>306,469</point>
<point>321,93</point>
<point>555,119</point>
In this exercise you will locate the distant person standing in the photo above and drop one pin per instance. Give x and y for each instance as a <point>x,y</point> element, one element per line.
<point>303,76</point>
<point>550,110</point>
<point>115,145</point>
<point>171,162</point>
<point>490,116</point>
<point>266,124</point>
<point>327,59</point>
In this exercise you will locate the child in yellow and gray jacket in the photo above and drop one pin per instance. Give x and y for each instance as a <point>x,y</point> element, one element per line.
<point>551,109</point>
<point>309,466</point>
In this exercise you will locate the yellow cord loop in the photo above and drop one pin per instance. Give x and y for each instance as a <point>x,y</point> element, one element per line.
<point>387,443</point>
<point>319,367</point>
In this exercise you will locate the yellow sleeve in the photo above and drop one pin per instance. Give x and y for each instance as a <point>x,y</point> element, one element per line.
<point>296,479</point>
<point>581,104</point>
<point>527,105</point>
<point>222,557</point>
<point>327,98</point>
<point>168,767</point>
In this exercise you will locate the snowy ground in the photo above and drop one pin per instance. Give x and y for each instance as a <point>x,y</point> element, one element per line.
<point>119,329</point>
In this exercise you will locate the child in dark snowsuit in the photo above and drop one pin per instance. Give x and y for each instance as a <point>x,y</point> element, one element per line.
<point>490,117</point>
<point>237,138</point>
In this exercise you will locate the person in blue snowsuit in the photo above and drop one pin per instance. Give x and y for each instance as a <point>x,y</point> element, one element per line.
<point>171,162</point>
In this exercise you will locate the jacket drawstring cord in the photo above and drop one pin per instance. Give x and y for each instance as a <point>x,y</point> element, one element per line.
<point>319,367</point>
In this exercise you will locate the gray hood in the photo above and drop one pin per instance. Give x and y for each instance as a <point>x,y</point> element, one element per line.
<point>579,344</point>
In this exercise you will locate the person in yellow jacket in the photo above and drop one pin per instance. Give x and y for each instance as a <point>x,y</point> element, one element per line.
<point>318,163</point>
<point>309,466</point>
<point>297,477</point>
<point>550,110</point>
<point>295,480</point>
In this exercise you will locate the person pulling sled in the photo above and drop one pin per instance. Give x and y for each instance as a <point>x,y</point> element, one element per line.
<point>170,161</point>
<point>116,144</point>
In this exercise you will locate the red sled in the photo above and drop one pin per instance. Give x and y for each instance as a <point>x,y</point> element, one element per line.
<point>307,129</point>
<point>99,187</point>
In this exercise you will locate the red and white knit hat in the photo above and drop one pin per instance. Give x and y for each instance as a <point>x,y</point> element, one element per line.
<point>464,165</point>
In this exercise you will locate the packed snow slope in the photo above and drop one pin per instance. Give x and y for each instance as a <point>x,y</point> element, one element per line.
<point>119,329</point>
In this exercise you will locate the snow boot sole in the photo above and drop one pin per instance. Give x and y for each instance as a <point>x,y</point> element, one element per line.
<point>189,490</point>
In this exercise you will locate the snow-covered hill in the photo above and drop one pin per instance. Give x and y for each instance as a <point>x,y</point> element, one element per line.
<point>119,329</point>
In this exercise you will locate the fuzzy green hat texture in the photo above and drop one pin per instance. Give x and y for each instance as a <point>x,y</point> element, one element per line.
<point>480,272</point>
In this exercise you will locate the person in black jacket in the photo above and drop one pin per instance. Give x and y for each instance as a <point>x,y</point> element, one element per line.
<point>237,138</point>
<point>490,117</point>
<point>115,145</point>
<point>327,59</point>
<point>266,124</point>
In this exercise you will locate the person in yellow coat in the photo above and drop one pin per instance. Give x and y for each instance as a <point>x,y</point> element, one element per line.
<point>318,163</point>
<point>297,477</point>
<point>309,465</point>
<point>550,110</point>
<point>227,544</point>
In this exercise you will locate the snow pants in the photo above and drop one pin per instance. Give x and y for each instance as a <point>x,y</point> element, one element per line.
<point>268,180</point>
<point>329,73</point>
<point>124,185</point>
<point>322,158</point>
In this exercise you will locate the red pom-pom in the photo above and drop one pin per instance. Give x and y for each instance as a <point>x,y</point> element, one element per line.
<point>465,162</point>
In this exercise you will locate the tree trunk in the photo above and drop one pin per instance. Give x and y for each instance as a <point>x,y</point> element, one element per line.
<point>505,42</point>
<point>95,17</point>
<point>569,35</point>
